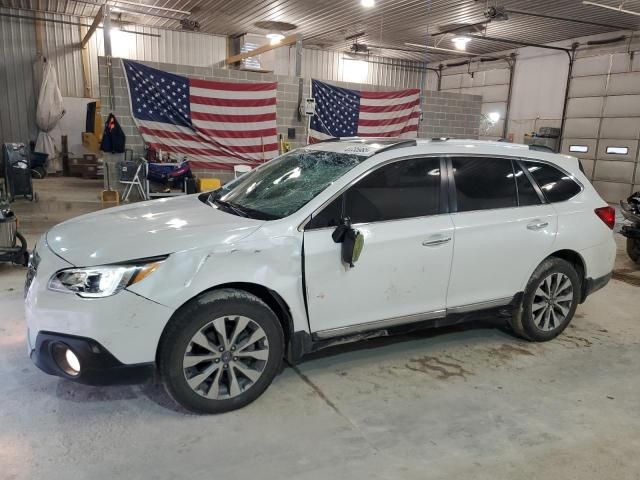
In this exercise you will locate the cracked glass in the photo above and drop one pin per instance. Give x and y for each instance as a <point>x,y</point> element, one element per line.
<point>286,184</point>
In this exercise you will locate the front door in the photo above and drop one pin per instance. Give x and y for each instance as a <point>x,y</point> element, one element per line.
<point>403,271</point>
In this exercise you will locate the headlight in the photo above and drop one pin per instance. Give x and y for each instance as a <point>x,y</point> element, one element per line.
<point>96,282</point>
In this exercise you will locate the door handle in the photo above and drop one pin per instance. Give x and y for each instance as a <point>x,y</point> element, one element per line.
<point>435,243</point>
<point>537,225</point>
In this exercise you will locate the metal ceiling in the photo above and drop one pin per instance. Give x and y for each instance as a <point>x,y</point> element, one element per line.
<point>391,23</point>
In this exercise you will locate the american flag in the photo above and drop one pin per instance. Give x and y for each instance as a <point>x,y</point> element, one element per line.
<point>212,124</point>
<point>341,112</point>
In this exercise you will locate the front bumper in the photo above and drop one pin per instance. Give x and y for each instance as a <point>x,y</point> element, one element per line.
<point>126,325</point>
<point>97,365</point>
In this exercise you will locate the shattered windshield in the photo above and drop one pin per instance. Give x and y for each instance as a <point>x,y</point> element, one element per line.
<point>286,184</point>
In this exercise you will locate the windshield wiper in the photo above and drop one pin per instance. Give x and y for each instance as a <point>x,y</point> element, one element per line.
<point>230,206</point>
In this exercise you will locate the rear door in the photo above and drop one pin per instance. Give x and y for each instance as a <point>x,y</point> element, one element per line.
<point>503,230</point>
<point>403,271</point>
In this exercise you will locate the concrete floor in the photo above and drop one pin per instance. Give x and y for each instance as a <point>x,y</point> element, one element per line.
<point>470,402</point>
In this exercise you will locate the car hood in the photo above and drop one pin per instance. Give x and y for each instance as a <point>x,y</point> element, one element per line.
<point>147,229</point>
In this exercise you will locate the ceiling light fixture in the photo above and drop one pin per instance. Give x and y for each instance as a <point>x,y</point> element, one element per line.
<point>368,3</point>
<point>461,42</point>
<point>274,37</point>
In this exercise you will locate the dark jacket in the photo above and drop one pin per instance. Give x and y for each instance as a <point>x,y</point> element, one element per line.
<point>113,138</point>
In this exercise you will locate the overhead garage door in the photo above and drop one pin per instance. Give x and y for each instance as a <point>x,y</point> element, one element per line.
<point>603,122</point>
<point>490,82</point>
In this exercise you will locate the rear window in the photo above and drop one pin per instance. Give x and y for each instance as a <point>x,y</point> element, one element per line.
<point>556,185</point>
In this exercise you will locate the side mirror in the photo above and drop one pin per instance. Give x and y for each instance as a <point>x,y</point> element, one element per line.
<point>352,242</point>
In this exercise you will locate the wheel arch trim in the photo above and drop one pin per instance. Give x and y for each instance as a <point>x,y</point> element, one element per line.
<point>270,297</point>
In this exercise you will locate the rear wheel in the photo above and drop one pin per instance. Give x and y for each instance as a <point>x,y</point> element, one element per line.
<point>550,301</point>
<point>221,351</point>
<point>633,249</point>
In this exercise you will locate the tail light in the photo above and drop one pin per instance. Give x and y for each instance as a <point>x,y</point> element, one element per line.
<point>607,215</point>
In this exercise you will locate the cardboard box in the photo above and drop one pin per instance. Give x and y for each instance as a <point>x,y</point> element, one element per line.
<point>90,142</point>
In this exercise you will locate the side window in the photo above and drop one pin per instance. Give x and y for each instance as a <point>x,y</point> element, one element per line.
<point>527,195</point>
<point>484,183</point>
<point>404,189</point>
<point>329,216</point>
<point>556,185</point>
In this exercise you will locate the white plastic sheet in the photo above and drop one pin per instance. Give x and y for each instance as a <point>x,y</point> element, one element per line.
<point>49,112</point>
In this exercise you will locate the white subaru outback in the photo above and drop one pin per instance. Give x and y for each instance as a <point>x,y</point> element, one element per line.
<point>335,241</point>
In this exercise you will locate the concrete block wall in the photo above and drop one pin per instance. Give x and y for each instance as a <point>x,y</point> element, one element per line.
<point>445,114</point>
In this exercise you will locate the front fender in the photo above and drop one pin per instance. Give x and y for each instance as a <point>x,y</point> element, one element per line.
<point>273,262</point>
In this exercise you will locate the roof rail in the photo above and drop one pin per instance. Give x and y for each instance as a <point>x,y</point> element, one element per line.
<point>389,142</point>
<point>400,144</point>
<point>440,139</point>
<point>542,148</point>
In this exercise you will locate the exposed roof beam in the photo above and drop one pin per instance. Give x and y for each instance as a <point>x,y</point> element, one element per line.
<point>291,39</point>
<point>94,26</point>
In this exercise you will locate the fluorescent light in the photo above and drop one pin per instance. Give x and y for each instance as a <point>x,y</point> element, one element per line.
<point>460,42</point>
<point>368,3</point>
<point>274,37</point>
<point>494,116</point>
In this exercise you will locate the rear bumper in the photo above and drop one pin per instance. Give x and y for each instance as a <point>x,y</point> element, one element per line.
<point>594,284</point>
<point>97,365</point>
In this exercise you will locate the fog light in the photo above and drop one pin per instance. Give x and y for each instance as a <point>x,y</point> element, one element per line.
<point>72,361</point>
<point>66,359</point>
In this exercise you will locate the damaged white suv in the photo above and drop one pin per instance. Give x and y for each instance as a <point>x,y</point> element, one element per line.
<point>335,241</point>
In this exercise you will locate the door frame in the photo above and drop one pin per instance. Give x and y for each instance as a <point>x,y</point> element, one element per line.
<point>444,209</point>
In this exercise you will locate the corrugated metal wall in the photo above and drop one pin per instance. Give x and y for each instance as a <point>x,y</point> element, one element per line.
<point>340,67</point>
<point>165,46</point>
<point>60,46</point>
<point>17,99</point>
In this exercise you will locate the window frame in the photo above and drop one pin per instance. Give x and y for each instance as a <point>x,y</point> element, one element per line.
<point>445,206</point>
<point>553,165</point>
<point>532,181</point>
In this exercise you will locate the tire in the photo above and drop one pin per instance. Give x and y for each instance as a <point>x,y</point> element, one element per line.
<point>633,249</point>
<point>538,320</point>
<point>232,372</point>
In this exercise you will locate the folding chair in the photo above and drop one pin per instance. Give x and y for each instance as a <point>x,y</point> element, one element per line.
<point>135,180</point>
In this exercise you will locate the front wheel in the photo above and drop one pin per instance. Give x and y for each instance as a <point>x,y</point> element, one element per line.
<point>221,351</point>
<point>633,249</point>
<point>549,302</point>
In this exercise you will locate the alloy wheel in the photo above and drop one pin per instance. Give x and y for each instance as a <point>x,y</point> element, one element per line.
<point>225,357</point>
<point>552,301</point>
